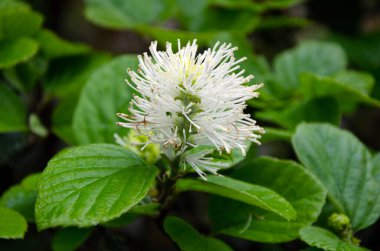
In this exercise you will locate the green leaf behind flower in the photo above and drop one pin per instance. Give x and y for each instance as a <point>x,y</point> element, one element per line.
<point>104,95</point>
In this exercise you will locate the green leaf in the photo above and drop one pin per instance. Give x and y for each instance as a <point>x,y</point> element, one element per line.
<point>376,167</point>
<point>344,166</point>
<point>304,193</point>
<point>256,6</point>
<point>12,224</point>
<point>104,95</point>
<point>14,119</point>
<point>16,51</point>
<point>53,46</point>
<point>275,22</point>
<point>13,4</point>
<point>363,51</point>
<point>87,185</point>
<point>359,81</point>
<point>324,109</point>
<point>25,75</point>
<point>66,76</point>
<point>16,22</point>
<point>188,239</point>
<point>70,239</point>
<point>22,197</point>
<point>119,14</point>
<point>324,239</point>
<point>241,191</point>
<point>348,88</point>
<point>321,58</point>
<point>218,19</point>
<point>63,118</point>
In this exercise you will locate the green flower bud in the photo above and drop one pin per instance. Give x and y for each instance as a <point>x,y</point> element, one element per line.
<point>339,222</point>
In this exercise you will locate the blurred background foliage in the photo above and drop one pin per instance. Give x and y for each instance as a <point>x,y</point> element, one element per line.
<point>63,64</point>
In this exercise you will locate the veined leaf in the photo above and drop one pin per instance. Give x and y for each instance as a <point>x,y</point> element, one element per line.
<point>241,191</point>
<point>344,166</point>
<point>289,180</point>
<point>320,58</point>
<point>87,185</point>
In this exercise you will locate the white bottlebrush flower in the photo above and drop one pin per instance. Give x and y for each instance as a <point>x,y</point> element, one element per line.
<point>188,99</point>
<point>198,158</point>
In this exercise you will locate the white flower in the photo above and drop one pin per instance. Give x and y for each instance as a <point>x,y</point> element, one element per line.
<point>198,160</point>
<point>189,99</point>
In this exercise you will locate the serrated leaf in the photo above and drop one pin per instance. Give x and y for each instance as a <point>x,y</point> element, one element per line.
<point>16,51</point>
<point>344,166</point>
<point>104,95</point>
<point>321,58</point>
<point>324,239</point>
<point>304,193</point>
<point>12,224</point>
<point>188,239</point>
<point>70,239</point>
<point>87,185</point>
<point>14,119</point>
<point>241,191</point>
<point>22,197</point>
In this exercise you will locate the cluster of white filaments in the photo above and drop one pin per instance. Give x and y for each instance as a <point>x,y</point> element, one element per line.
<point>188,99</point>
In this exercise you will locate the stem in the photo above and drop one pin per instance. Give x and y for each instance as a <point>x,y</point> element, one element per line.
<point>166,186</point>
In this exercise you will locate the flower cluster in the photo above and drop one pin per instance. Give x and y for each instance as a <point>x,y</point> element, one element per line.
<point>188,100</point>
